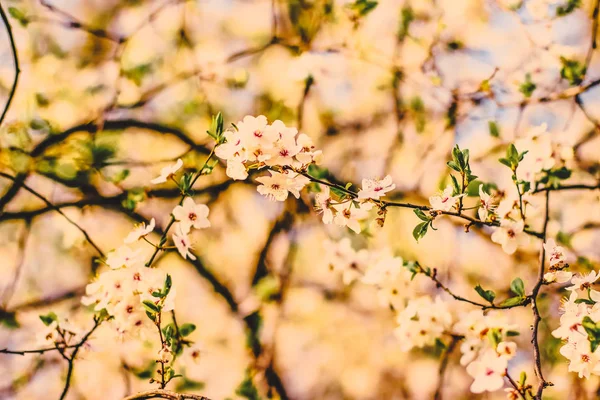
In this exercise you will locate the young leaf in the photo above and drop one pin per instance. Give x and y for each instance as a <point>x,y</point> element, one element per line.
<point>517,287</point>
<point>422,216</point>
<point>488,295</point>
<point>494,130</point>
<point>187,329</point>
<point>49,318</point>
<point>420,230</point>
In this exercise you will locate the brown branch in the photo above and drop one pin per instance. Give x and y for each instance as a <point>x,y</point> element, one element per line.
<point>164,394</point>
<point>15,61</point>
<point>58,210</point>
<point>536,313</point>
<point>444,365</point>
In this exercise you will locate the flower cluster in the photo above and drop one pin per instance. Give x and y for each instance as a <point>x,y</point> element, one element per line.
<point>486,348</point>
<point>379,268</point>
<point>188,215</point>
<point>542,153</point>
<point>256,144</point>
<point>578,328</point>
<point>422,322</point>
<point>121,293</point>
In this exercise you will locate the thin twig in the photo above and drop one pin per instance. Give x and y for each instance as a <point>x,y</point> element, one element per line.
<point>15,61</point>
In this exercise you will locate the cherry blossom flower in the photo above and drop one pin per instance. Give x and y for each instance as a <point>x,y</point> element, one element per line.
<point>123,257</point>
<point>342,257</point>
<point>277,186</point>
<point>307,153</point>
<point>488,372</point>
<point>508,235</point>
<point>183,243</point>
<point>506,349</point>
<point>168,172</point>
<point>350,215</point>
<point>191,215</point>
<point>140,231</point>
<point>375,188</point>
<point>555,253</point>
<point>421,322</point>
<point>323,204</point>
<point>583,282</point>
<point>445,201</point>
<point>486,204</point>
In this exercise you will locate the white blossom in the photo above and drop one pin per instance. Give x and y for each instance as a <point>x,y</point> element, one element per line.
<point>168,172</point>
<point>140,231</point>
<point>191,215</point>
<point>375,188</point>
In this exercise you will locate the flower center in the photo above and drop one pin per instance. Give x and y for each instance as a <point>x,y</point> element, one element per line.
<point>258,133</point>
<point>192,216</point>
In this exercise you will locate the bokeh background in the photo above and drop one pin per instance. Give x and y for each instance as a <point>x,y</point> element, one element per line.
<point>110,86</point>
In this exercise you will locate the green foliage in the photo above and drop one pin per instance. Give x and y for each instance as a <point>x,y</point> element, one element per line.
<point>49,318</point>
<point>186,384</point>
<point>488,295</point>
<point>494,130</point>
<point>417,108</point>
<point>517,287</point>
<point>494,336</point>
<point>568,8</point>
<point>513,157</point>
<point>132,198</point>
<point>527,87</point>
<point>363,7</point>
<point>247,389</point>
<point>593,330</point>
<point>18,15</point>
<point>137,73</point>
<point>407,17</point>
<point>187,329</point>
<point>572,70</point>
<point>307,18</point>
<point>216,128</point>
<point>9,319</point>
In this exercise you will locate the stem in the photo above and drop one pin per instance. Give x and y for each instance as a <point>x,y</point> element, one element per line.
<point>71,360</point>
<point>172,220</point>
<point>15,61</point>
<point>444,365</point>
<point>536,313</point>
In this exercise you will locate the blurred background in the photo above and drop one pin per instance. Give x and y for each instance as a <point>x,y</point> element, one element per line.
<point>111,91</point>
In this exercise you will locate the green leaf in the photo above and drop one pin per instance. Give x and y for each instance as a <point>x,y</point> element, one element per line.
<point>518,287</point>
<point>167,285</point>
<point>494,130</point>
<point>512,333</point>
<point>363,7</point>
<point>494,336</point>
<point>572,70</point>
<point>407,17</point>
<point>420,230</point>
<point>187,329</point>
<point>137,74</point>
<point>417,108</point>
<point>527,87</point>
<point>186,385</point>
<point>488,295</point>
<point>568,8</point>
<point>512,301</point>
<point>456,189</point>
<point>49,318</point>
<point>453,165</point>
<point>422,216</point>
<point>18,15</point>
<point>150,306</point>
<point>9,319</point>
